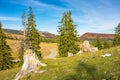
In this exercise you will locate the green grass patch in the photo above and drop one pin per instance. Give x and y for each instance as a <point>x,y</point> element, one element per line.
<point>86,66</point>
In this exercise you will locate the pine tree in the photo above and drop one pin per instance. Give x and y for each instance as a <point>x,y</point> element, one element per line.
<point>32,37</point>
<point>98,43</point>
<point>5,52</point>
<point>116,40</point>
<point>106,44</point>
<point>68,37</point>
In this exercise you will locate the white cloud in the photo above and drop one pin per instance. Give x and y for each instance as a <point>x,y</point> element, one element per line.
<point>42,8</point>
<point>89,23</point>
<point>94,18</point>
<point>38,4</point>
<point>6,18</point>
<point>101,18</point>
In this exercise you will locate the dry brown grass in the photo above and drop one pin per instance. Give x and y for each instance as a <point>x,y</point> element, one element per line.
<point>45,47</point>
<point>18,36</point>
<point>14,45</point>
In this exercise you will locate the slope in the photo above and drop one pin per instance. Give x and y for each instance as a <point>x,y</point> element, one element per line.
<point>87,66</point>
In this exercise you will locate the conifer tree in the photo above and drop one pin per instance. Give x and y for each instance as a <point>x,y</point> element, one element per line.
<point>106,44</point>
<point>68,36</point>
<point>98,43</point>
<point>5,52</point>
<point>32,37</point>
<point>116,40</point>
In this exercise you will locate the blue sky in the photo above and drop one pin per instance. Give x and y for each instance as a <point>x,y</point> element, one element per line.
<point>90,15</point>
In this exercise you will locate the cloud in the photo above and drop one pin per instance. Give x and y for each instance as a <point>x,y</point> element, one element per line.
<point>102,17</point>
<point>6,18</point>
<point>90,16</point>
<point>38,4</point>
<point>42,8</point>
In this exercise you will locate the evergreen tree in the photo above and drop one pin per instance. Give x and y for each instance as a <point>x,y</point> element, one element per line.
<point>98,43</point>
<point>22,44</point>
<point>32,37</point>
<point>106,44</point>
<point>116,40</point>
<point>68,37</point>
<point>5,52</point>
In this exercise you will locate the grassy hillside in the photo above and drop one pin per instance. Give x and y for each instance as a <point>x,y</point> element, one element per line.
<point>87,66</point>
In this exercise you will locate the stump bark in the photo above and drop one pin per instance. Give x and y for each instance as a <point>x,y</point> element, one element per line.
<point>31,64</point>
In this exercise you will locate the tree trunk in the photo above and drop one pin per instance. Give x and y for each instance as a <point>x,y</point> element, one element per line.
<point>31,64</point>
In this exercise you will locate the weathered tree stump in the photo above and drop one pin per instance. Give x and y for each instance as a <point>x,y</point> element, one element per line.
<point>31,64</point>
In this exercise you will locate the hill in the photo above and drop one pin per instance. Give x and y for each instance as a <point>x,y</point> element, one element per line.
<point>47,34</point>
<point>18,32</point>
<point>93,36</point>
<point>87,66</point>
<point>13,31</point>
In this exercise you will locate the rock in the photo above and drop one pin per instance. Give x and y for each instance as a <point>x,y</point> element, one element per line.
<point>15,61</point>
<point>70,54</point>
<point>93,49</point>
<point>31,64</point>
<point>80,52</point>
<point>106,55</point>
<point>62,61</point>
<point>85,46</point>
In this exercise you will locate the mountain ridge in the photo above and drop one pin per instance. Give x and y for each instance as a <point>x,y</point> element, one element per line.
<point>42,33</point>
<point>93,36</point>
<point>85,36</point>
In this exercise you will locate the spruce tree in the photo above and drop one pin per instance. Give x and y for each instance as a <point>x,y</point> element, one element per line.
<point>68,36</point>
<point>106,44</point>
<point>116,41</point>
<point>32,36</point>
<point>5,52</point>
<point>98,43</point>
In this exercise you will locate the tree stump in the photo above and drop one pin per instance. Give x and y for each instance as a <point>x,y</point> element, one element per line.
<point>31,64</point>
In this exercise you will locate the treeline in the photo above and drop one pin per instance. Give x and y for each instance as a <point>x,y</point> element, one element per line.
<point>104,44</point>
<point>13,31</point>
<point>49,40</point>
<point>43,39</point>
<point>13,38</point>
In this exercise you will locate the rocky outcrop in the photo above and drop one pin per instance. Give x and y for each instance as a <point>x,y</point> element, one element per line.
<point>85,47</point>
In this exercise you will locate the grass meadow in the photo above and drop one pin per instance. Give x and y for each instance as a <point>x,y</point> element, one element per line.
<point>85,66</point>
